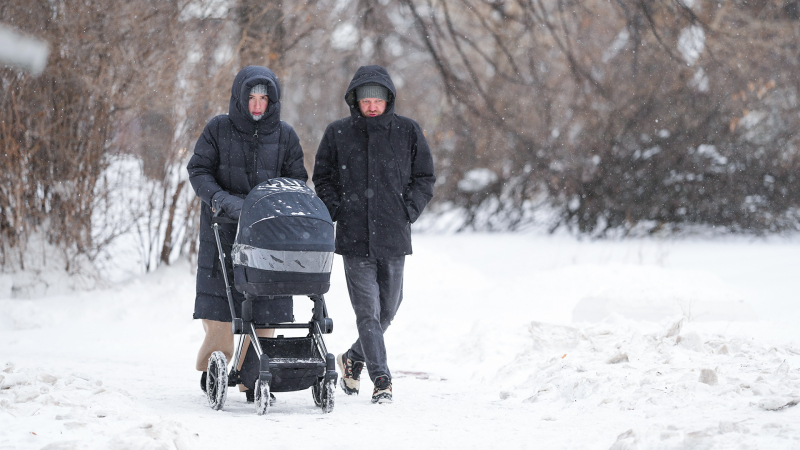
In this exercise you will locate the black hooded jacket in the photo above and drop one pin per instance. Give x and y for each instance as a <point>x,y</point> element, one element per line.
<point>375,175</point>
<point>234,154</point>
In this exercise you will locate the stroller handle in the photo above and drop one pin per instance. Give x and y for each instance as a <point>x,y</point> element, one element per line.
<point>216,218</point>
<point>220,219</point>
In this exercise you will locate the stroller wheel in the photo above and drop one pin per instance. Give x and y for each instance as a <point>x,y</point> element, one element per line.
<point>316,392</point>
<point>217,380</point>
<point>262,397</point>
<point>323,394</point>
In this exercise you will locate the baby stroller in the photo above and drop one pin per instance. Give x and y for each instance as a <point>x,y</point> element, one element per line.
<point>283,246</point>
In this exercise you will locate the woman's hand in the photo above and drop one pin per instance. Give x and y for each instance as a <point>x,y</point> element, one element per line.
<point>231,205</point>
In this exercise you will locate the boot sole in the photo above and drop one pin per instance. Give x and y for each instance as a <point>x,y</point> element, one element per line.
<point>382,399</point>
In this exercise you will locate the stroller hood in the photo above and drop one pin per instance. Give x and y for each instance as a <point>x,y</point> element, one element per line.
<point>285,241</point>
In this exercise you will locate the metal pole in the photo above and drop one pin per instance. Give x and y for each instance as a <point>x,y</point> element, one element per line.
<point>224,271</point>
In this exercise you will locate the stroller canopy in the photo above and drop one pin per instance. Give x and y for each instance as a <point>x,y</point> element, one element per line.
<point>285,240</point>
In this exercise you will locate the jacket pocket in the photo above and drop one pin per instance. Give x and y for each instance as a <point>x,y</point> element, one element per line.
<point>405,207</point>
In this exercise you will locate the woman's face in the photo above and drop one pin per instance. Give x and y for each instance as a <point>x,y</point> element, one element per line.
<point>258,104</point>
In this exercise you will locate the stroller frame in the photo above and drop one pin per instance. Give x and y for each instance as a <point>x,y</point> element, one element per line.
<point>283,371</point>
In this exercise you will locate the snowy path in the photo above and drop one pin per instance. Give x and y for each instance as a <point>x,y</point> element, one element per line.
<point>484,351</point>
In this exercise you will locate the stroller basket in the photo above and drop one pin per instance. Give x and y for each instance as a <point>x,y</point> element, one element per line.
<point>295,363</point>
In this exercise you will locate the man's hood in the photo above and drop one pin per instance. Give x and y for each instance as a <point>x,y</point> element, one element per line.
<point>238,109</point>
<point>370,74</point>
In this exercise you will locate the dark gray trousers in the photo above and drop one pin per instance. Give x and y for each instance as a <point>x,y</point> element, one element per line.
<point>376,290</point>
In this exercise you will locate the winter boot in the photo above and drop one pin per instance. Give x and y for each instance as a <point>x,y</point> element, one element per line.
<point>351,373</point>
<point>383,390</point>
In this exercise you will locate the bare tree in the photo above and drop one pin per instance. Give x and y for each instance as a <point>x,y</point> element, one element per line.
<point>621,114</point>
<point>58,129</point>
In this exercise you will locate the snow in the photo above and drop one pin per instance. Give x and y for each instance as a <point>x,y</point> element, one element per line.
<point>619,43</point>
<point>344,37</point>
<point>476,180</point>
<point>22,51</point>
<point>502,341</point>
<point>691,43</point>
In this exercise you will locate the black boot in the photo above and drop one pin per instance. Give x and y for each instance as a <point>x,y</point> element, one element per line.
<point>251,397</point>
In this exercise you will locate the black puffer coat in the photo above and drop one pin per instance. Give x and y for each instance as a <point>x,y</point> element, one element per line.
<point>234,154</point>
<point>375,175</point>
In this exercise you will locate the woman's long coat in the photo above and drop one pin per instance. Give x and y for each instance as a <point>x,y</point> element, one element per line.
<point>234,154</point>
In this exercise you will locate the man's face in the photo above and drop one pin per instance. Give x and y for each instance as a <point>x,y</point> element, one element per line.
<point>258,104</point>
<point>372,107</point>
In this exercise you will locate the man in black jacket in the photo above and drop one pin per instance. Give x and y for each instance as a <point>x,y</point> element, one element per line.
<point>236,152</point>
<point>374,171</point>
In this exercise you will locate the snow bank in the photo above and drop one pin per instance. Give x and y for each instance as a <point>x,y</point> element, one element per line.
<point>62,409</point>
<point>45,272</point>
<point>680,386</point>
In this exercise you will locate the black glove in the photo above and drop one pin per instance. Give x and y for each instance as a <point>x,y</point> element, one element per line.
<point>231,205</point>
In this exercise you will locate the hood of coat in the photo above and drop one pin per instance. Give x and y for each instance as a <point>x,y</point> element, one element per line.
<point>370,74</point>
<point>238,109</point>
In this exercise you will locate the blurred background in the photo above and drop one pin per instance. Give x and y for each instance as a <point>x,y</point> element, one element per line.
<point>600,118</point>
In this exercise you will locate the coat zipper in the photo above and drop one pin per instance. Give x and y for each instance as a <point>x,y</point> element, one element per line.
<point>255,156</point>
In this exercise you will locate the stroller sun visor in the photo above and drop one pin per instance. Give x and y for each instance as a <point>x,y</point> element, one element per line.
<point>285,241</point>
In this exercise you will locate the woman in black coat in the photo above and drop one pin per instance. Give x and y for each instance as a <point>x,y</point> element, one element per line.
<point>235,153</point>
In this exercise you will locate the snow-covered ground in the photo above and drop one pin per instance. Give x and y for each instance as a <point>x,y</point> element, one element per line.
<point>502,341</point>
